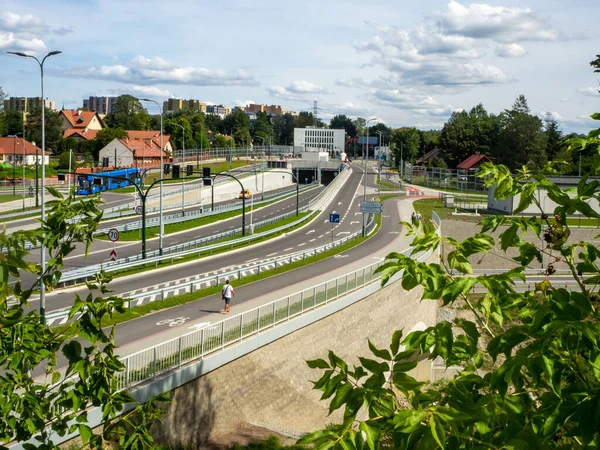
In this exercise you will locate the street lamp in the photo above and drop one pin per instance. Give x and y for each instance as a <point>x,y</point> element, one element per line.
<point>365,183</point>
<point>182,167</point>
<point>160,205</point>
<point>42,248</point>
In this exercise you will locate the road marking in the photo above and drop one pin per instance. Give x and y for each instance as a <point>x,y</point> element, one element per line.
<point>288,249</point>
<point>271,254</point>
<point>312,240</point>
<point>343,232</point>
<point>250,260</point>
<point>394,232</point>
<point>386,216</point>
<point>340,256</point>
<point>354,221</point>
<point>300,245</point>
<point>310,231</point>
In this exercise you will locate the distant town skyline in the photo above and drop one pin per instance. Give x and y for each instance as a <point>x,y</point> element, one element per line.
<point>410,64</point>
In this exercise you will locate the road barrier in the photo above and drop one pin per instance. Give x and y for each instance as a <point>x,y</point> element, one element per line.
<point>169,254</point>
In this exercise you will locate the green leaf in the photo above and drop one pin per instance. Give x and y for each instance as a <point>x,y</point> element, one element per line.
<point>318,364</point>
<point>396,338</point>
<point>380,353</point>
<point>85,432</point>
<point>372,433</point>
<point>374,366</point>
<point>509,237</point>
<point>340,396</point>
<point>438,432</point>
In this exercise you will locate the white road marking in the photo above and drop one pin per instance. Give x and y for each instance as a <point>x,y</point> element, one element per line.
<point>343,232</point>
<point>250,260</point>
<point>288,249</point>
<point>271,254</point>
<point>310,231</point>
<point>312,240</point>
<point>354,221</point>
<point>300,245</point>
<point>341,256</point>
<point>199,325</point>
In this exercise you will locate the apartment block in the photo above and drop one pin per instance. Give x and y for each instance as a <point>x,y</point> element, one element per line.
<point>271,110</point>
<point>100,105</point>
<point>179,104</point>
<point>26,104</point>
<point>219,110</point>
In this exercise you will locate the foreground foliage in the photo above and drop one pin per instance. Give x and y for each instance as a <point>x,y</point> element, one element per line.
<point>530,360</point>
<point>38,399</point>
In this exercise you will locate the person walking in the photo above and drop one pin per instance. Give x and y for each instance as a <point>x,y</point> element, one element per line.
<point>227,293</point>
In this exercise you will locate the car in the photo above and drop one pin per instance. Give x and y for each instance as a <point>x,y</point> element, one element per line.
<point>245,194</point>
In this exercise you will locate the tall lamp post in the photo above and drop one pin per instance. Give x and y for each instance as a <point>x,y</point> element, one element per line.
<point>183,168</point>
<point>365,183</point>
<point>160,205</point>
<point>42,248</point>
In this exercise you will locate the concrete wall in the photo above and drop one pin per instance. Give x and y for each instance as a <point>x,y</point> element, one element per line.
<point>270,387</point>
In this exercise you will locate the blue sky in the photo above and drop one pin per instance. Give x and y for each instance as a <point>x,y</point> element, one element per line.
<point>409,63</point>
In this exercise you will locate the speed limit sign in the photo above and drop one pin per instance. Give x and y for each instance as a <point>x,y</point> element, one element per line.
<point>113,234</point>
<point>139,210</point>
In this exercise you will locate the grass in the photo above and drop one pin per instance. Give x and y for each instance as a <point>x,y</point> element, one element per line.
<point>148,308</point>
<point>217,167</point>
<point>5,198</point>
<point>136,235</point>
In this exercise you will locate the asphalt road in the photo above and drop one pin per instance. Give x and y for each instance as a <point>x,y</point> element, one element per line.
<point>345,203</point>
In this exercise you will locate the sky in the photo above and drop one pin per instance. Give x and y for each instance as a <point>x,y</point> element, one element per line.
<point>404,62</point>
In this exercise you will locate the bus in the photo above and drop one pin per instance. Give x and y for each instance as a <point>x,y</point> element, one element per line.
<point>93,183</point>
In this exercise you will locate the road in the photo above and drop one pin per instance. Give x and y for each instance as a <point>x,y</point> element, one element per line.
<point>143,332</point>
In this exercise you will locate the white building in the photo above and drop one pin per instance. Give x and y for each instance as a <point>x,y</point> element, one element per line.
<point>313,139</point>
<point>15,151</point>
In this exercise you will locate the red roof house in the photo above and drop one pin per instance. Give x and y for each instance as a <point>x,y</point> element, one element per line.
<point>474,161</point>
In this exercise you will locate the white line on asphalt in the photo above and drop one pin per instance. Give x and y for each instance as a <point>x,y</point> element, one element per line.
<point>271,254</point>
<point>288,249</point>
<point>312,240</point>
<point>250,260</point>
<point>300,245</point>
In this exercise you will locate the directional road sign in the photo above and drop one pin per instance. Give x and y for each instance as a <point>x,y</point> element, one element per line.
<point>371,207</point>
<point>334,218</point>
<point>138,210</point>
<point>113,255</point>
<point>113,234</point>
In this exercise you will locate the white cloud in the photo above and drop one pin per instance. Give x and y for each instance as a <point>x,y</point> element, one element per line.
<point>25,23</point>
<point>13,42</point>
<point>297,90</point>
<point>590,91</point>
<point>499,23</point>
<point>24,32</point>
<point>510,50</point>
<point>151,91</point>
<point>242,103</point>
<point>143,70</point>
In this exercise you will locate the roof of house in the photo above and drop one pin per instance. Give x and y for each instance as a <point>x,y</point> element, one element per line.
<point>436,152</point>
<point>142,148</point>
<point>78,118</point>
<point>10,145</point>
<point>148,135</point>
<point>85,134</point>
<point>473,161</point>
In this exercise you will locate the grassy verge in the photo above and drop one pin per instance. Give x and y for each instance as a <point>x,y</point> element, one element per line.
<point>142,310</point>
<point>136,235</point>
<point>5,198</point>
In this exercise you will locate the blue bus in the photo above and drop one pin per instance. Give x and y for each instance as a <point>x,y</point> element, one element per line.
<point>93,183</point>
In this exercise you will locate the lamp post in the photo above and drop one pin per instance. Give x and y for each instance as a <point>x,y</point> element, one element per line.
<point>160,205</point>
<point>262,188</point>
<point>365,183</point>
<point>42,248</point>
<point>182,166</point>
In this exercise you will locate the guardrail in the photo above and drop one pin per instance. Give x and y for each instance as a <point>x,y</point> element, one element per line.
<point>171,355</point>
<point>178,217</point>
<point>188,248</point>
<point>234,274</point>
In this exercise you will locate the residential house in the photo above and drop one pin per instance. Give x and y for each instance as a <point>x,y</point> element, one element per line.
<point>128,152</point>
<point>16,150</point>
<point>473,162</point>
<point>81,125</point>
<point>154,137</point>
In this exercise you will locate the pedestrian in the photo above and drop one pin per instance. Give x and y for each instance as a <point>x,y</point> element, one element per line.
<point>419,217</point>
<point>413,218</point>
<point>227,292</point>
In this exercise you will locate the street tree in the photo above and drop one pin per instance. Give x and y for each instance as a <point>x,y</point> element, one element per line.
<point>407,141</point>
<point>343,122</point>
<point>13,122</point>
<point>554,141</point>
<point>54,131</point>
<point>221,141</point>
<point>307,119</point>
<point>128,114</point>
<point>262,127</point>
<point>522,139</point>
<point>283,129</point>
<point>39,399</point>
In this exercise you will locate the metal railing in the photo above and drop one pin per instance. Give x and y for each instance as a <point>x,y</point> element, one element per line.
<point>236,273</point>
<point>171,355</point>
<point>204,244</point>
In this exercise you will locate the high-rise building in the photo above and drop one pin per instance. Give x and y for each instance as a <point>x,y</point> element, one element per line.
<point>26,104</point>
<point>219,110</point>
<point>101,105</point>
<point>271,110</point>
<point>179,104</point>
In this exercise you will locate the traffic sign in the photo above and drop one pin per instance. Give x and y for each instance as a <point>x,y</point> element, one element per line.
<point>113,255</point>
<point>371,207</point>
<point>334,218</point>
<point>138,210</point>
<point>113,234</point>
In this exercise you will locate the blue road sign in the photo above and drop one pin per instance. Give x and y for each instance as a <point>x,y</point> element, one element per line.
<point>334,218</point>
